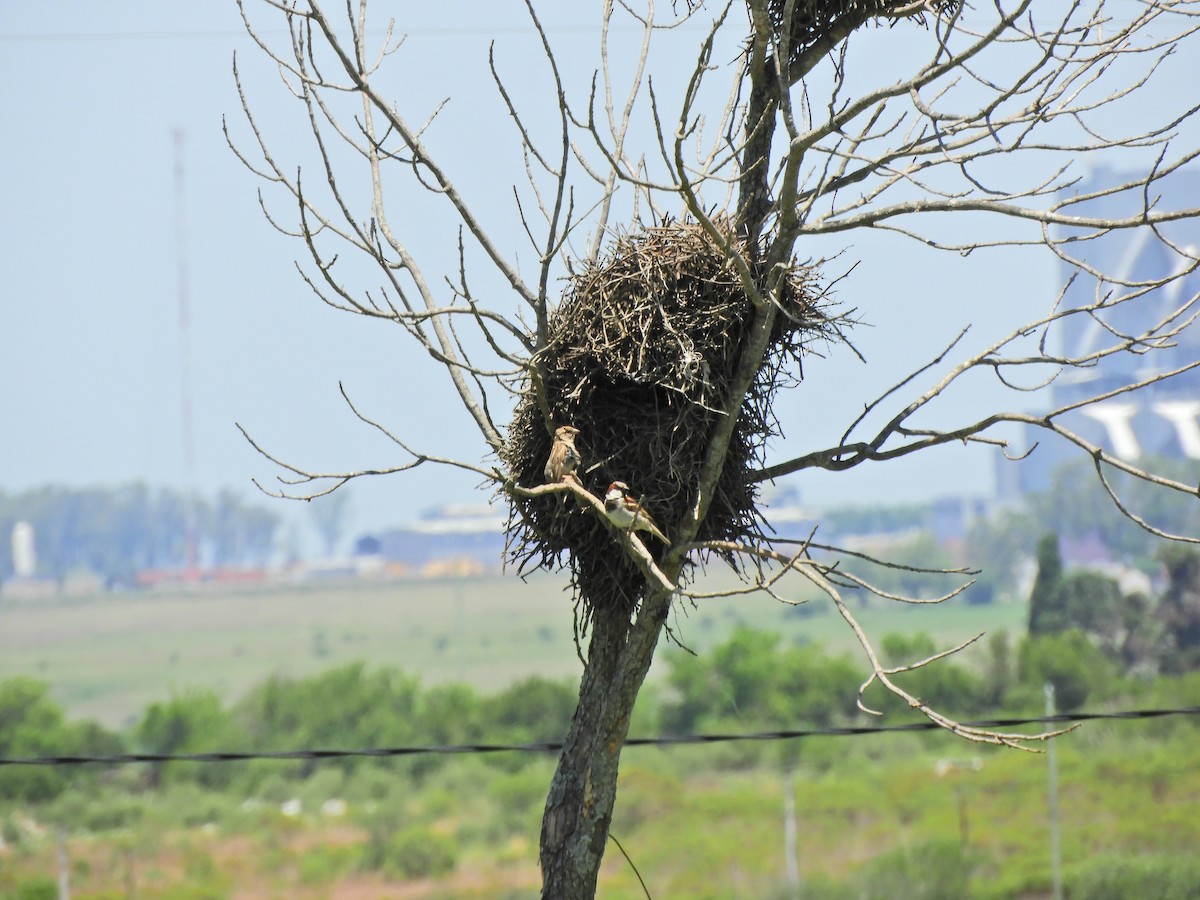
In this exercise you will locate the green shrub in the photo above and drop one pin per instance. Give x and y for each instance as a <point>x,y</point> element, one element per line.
<point>322,865</point>
<point>817,888</point>
<point>1067,660</point>
<point>33,725</point>
<point>268,778</point>
<point>1159,877</point>
<point>373,784</point>
<point>322,785</point>
<point>275,789</point>
<point>193,892</point>
<point>40,887</point>
<point>112,811</point>
<point>518,792</point>
<point>189,805</point>
<point>533,709</point>
<point>645,796</point>
<point>752,680</point>
<point>348,706</point>
<point>10,832</point>
<point>944,685</point>
<point>938,870</point>
<point>190,722</point>
<point>419,853</point>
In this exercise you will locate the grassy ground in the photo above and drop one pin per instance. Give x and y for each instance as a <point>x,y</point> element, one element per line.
<point>722,835</point>
<point>106,657</point>
<point>877,817</point>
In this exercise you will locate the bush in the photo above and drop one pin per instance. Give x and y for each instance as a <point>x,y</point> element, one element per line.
<point>190,806</point>
<point>348,706</point>
<point>39,887</point>
<point>818,887</point>
<point>1147,877</point>
<point>938,870</point>
<point>535,708</point>
<point>10,831</point>
<point>111,811</point>
<point>322,865</point>
<point>34,725</point>
<point>944,684</point>
<point>1070,662</point>
<point>518,792</point>
<point>322,785</point>
<point>750,680</point>
<point>419,853</point>
<point>90,811</point>
<point>191,722</point>
<point>373,784</point>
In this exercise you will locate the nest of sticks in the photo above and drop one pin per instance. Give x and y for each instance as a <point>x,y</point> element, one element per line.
<point>813,20</point>
<point>641,355</point>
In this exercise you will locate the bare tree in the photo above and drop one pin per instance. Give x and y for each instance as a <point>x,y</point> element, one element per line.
<point>777,131</point>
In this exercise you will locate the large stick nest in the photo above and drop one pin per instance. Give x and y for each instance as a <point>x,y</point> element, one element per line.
<point>641,353</point>
<point>813,21</point>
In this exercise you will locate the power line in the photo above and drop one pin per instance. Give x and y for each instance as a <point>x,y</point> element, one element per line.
<point>426,31</point>
<point>222,34</point>
<point>552,746</point>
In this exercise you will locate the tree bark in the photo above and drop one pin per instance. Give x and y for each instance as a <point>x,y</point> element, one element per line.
<point>580,803</point>
<point>754,200</point>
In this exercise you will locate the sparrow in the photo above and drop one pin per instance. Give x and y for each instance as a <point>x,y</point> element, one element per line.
<point>564,458</point>
<point>629,514</point>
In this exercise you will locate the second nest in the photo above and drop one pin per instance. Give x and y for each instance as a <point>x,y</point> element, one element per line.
<point>641,355</point>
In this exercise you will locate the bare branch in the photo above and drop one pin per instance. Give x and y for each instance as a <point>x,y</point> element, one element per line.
<point>883,676</point>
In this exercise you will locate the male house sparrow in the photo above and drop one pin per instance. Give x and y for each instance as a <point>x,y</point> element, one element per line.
<point>564,458</point>
<point>629,514</point>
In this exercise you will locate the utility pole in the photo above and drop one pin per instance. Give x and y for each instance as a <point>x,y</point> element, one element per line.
<point>1052,792</point>
<point>185,360</point>
<point>64,867</point>
<point>789,834</point>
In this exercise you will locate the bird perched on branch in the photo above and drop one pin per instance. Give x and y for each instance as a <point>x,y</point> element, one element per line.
<point>627,513</point>
<point>564,458</point>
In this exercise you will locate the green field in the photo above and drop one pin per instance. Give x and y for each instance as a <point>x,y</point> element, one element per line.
<point>898,815</point>
<point>108,656</point>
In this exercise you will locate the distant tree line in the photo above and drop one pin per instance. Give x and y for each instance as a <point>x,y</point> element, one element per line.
<point>1093,641</point>
<point>1075,507</point>
<point>1087,638</point>
<point>1142,633</point>
<point>116,531</point>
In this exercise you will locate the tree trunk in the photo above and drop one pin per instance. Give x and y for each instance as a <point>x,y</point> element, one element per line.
<point>580,804</point>
<point>754,198</point>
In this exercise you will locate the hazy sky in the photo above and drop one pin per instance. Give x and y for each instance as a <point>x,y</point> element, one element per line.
<point>90,374</point>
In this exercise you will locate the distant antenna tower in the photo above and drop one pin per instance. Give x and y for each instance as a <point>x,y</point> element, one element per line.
<point>185,357</point>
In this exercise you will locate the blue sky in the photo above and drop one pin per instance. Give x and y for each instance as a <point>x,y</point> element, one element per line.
<point>90,383</point>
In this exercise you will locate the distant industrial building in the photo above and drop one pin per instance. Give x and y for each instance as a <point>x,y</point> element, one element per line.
<point>443,535</point>
<point>1161,419</point>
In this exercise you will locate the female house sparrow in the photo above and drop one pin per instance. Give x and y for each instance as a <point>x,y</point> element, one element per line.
<point>629,514</point>
<point>564,458</point>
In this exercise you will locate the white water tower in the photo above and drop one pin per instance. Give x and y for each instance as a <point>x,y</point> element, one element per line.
<point>23,554</point>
